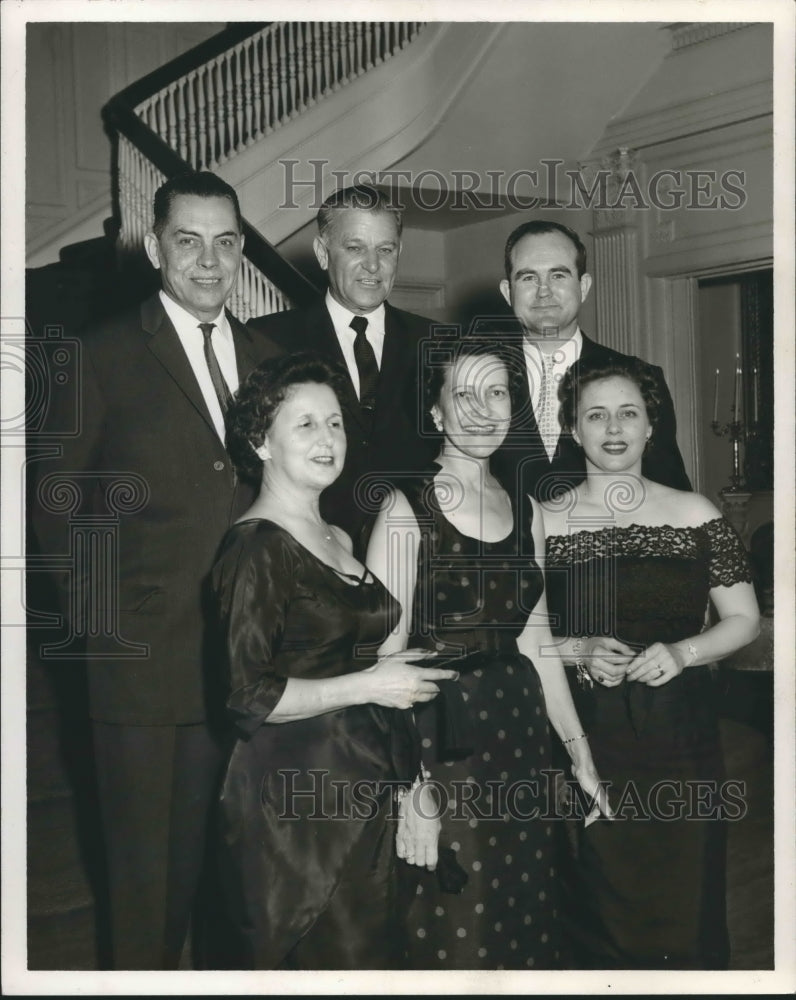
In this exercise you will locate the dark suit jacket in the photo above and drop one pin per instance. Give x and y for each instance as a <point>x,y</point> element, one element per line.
<point>143,421</point>
<point>391,442</point>
<point>523,464</point>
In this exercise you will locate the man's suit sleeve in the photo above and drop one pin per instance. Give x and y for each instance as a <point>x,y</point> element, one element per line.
<point>663,462</point>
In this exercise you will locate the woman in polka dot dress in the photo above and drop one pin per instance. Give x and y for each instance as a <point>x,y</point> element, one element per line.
<point>455,552</point>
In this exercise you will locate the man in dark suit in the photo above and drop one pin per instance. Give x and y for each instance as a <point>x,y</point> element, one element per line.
<point>149,451</point>
<point>376,346</point>
<point>546,282</point>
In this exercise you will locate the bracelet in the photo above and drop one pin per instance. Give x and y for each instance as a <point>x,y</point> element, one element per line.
<point>583,675</point>
<point>574,739</point>
<point>692,654</point>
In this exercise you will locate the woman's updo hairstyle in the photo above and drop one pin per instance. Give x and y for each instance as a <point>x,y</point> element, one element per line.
<point>260,395</point>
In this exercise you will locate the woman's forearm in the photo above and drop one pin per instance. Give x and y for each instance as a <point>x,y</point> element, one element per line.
<point>305,699</point>
<point>727,636</point>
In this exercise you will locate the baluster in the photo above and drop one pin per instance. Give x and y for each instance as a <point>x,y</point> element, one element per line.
<point>201,121</point>
<point>378,42</point>
<point>182,123</point>
<point>221,112</point>
<point>292,67</point>
<point>121,239</point>
<point>353,63</point>
<point>161,108</point>
<point>302,55</point>
<point>317,51</point>
<point>388,39</point>
<point>240,144</point>
<point>229,104</point>
<point>359,64</point>
<point>191,102</point>
<point>366,40</point>
<point>247,93</point>
<point>326,44</point>
<point>257,93</point>
<point>172,112</point>
<point>283,75</point>
<point>276,115</point>
<point>342,31</point>
<point>306,65</point>
<point>212,136</point>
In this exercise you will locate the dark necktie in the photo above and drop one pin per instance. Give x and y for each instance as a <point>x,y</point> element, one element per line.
<point>219,384</point>
<point>366,364</point>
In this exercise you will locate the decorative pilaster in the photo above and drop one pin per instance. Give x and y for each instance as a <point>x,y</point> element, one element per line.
<point>612,184</point>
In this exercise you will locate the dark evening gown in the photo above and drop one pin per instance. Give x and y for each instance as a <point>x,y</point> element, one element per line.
<point>472,600</point>
<point>307,824</point>
<point>648,890</point>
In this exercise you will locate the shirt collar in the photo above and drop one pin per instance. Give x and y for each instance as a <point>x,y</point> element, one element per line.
<point>183,320</point>
<point>341,317</point>
<point>570,349</point>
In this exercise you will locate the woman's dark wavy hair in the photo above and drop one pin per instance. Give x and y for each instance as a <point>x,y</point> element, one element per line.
<point>620,365</point>
<point>440,355</point>
<point>260,395</point>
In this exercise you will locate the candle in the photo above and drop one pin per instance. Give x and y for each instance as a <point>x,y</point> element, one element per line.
<point>754,393</point>
<point>716,399</point>
<point>737,403</point>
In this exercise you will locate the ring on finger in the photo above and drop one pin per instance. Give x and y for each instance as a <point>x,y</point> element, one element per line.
<point>660,671</point>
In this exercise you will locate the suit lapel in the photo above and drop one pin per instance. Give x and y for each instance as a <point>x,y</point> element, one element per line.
<point>166,347</point>
<point>244,358</point>
<point>322,337</point>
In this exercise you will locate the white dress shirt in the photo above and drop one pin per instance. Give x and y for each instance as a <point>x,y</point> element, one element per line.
<point>341,319</point>
<point>192,340</point>
<point>565,355</point>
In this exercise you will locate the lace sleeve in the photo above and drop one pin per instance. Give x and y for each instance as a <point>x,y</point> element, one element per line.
<point>728,560</point>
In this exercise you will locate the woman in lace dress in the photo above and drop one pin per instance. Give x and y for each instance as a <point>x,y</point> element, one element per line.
<point>631,568</point>
<point>461,560</point>
<point>307,833</point>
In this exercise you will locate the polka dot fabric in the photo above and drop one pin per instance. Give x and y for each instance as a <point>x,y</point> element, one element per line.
<point>470,599</point>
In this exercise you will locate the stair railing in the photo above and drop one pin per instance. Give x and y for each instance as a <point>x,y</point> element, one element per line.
<point>222,96</point>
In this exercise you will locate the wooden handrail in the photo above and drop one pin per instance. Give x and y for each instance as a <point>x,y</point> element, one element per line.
<point>119,114</point>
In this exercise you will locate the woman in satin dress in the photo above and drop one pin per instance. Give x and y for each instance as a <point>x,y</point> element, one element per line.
<point>307,833</point>
<point>631,568</point>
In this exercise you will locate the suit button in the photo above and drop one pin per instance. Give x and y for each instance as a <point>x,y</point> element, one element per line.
<point>365,442</point>
<point>218,466</point>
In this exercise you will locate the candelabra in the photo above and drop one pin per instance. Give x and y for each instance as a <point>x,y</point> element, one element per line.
<point>735,428</point>
<point>735,497</point>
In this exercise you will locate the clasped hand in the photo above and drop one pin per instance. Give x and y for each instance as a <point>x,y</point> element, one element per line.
<point>609,661</point>
<point>417,836</point>
<point>395,683</point>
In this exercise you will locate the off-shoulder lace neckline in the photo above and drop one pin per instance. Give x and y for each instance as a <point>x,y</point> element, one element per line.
<point>636,527</point>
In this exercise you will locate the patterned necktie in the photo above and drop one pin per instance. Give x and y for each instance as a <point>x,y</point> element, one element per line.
<point>219,384</point>
<point>547,417</point>
<point>366,364</point>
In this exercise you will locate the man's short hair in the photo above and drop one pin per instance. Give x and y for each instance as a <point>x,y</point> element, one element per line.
<point>202,184</point>
<point>362,197</point>
<point>541,227</point>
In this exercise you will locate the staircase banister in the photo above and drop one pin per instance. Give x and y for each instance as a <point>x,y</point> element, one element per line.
<point>118,114</point>
<point>181,65</point>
